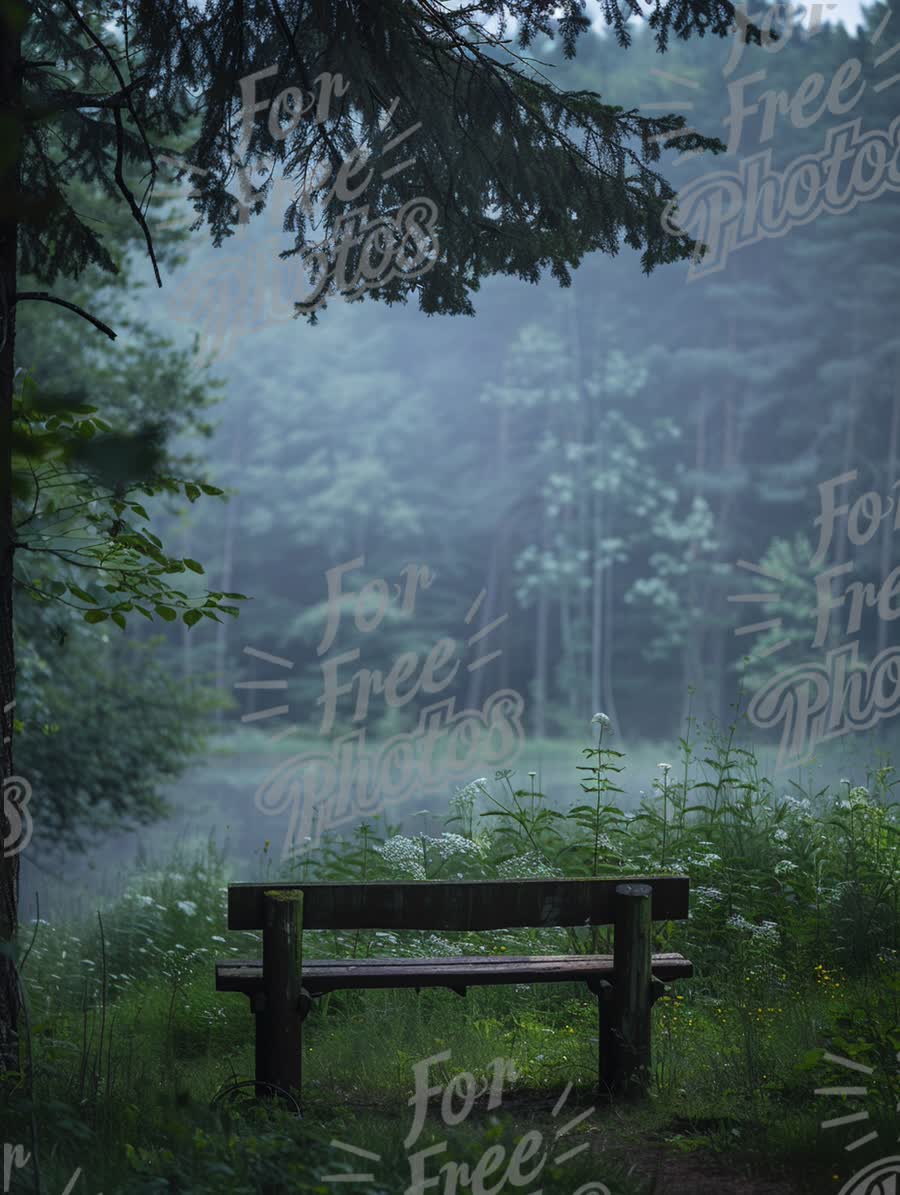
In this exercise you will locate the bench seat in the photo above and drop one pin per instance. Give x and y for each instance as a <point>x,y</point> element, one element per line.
<point>329,975</point>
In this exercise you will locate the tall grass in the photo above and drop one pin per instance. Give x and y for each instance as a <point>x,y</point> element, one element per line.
<point>793,933</point>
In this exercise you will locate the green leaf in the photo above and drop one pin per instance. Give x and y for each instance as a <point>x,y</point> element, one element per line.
<point>810,1059</point>
<point>211,489</point>
<point>166,612</point>
<point>192,491</point>
<point>191,616</point>
<point>194,565</point>
<point>118,619</point>
<point>95,616</point>
<point>82,595</point>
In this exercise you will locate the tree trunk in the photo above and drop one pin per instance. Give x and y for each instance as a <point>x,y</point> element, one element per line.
<point>10,107</point>
<point>733,430</point>
<point>585,674</point>
<point>565,636</point>
<point>487,614</point>
<point>187,643</point>
<point>887,527</point>
<point>497,590</point>
<point>841,542</point>
<point>228,573</point>
<point>596,632</point>
<point>504,537</point>
<point>539,723</point>
<point>692,647</point>
<point>606,662</point>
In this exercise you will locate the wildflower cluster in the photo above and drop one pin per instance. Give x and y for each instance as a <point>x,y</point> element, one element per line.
<point>448,856</point>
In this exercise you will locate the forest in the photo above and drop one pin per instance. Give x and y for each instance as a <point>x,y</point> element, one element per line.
<point>451,471</point>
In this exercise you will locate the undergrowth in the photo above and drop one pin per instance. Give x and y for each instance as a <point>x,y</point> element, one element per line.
<point>793,933</point>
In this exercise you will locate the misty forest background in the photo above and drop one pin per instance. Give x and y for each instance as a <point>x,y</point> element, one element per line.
<point>597,458</point>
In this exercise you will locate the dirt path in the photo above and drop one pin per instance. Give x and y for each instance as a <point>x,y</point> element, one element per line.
<point>672,1173</point>
<point>622,1141</point>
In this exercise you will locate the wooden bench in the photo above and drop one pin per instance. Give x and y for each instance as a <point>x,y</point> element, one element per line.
<point>282,985</point>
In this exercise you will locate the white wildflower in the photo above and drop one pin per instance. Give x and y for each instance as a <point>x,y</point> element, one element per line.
<point>451,844</point>
<point>600,720</point>
<point>736,921</point>
<point>708,859</point>
<point>527,866</point>
<point>859,797</point>
<point>768,931</point>
<point>785,867</point>
<point>187,907</point>
<point>797,805</point>
<point>403,855</point>
<point>665,768</point>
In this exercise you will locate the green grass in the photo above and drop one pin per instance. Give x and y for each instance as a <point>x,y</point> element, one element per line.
<point>793,932</point>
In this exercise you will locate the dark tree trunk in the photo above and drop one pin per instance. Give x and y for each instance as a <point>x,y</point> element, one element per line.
<point>887,527</point>
<point>10,107</point>
<point>497,588</point>
<point>692,648</point>
<point>504,535</point>
<point>539,721</point>
<point>230,534</point>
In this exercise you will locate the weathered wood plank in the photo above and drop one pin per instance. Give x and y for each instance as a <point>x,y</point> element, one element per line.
<point>632,998</point>
<point>278,1021</point>
<point>468,905</point>
<point>328,975</point>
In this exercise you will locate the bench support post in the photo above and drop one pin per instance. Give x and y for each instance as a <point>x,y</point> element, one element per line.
<point>279,1016</point>
<point>607,1039</point>
<point>632,990</point>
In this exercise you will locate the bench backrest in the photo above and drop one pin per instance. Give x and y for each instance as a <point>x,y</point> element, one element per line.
<point>459,904</point>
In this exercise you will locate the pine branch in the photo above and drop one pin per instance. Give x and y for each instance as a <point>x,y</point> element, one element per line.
<point>66,100</point>
<point>120,146</point>
<point>45,297</point>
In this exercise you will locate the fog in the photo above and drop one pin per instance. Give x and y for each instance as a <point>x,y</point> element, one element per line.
<point>667,498</point>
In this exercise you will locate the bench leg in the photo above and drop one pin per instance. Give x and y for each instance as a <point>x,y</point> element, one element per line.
<point>607,1038</point>
<point>280,1012</point>
<point>632,990</point>
<point>265,1047</point>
